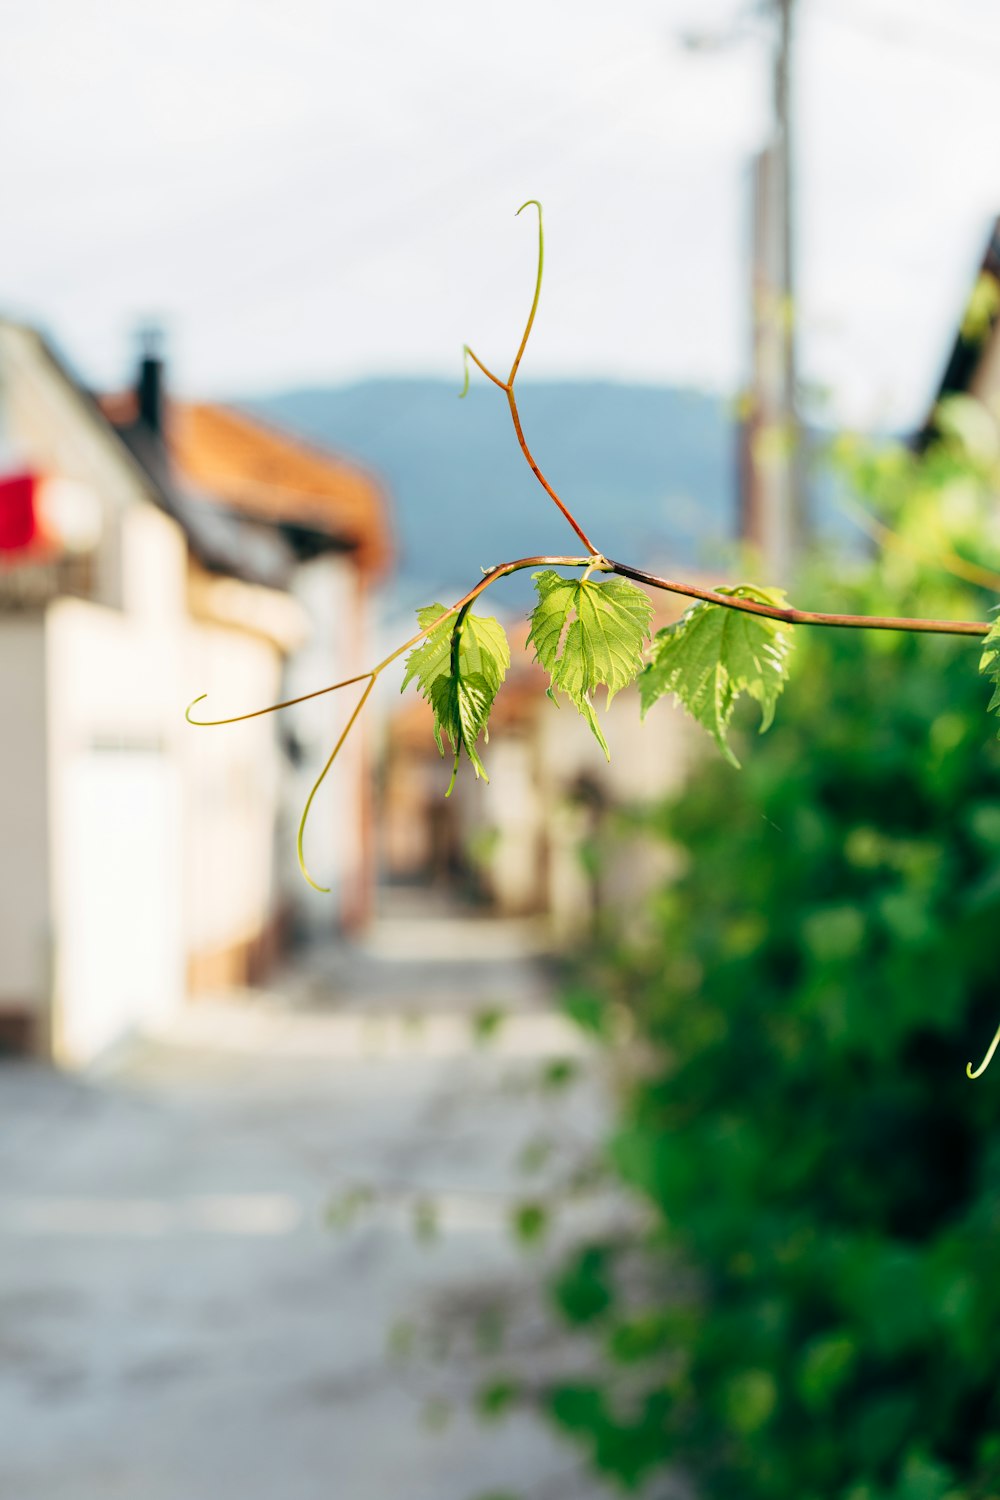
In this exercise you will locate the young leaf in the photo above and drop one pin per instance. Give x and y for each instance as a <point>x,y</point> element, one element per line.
<point>460,686</point>
<point>712,654</point>
<point>989,664</point>
<point>483,649</point>
<point>586,633</point>
<point>461,712</point>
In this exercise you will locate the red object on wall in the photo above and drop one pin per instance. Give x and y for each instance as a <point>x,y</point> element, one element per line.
<point>18,515</point>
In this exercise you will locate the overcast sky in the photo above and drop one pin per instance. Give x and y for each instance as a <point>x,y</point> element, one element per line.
<point>306,190</point>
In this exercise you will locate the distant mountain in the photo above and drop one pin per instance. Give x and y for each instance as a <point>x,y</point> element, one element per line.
<point>650,471</point>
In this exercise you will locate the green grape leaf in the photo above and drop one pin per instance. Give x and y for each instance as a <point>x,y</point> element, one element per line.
<point>989,664</point>
<point>588,633</point>
<point>461,712</point>
<point>461,692</point>
<point>483,649</point>
<point>713,654</point>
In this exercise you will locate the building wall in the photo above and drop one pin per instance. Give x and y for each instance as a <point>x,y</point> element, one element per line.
<point>52,429</point>
<point>138,852</point>
<point>162,834</point>
<point>114,716</point>
<point>88,870</point>
<point>25,919</point>
<point>552,795</point>
<point>336,840</point>
<point>580,789</point>
<point>231,778</point>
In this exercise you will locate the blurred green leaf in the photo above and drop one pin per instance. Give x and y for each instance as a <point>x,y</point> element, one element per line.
<point>589,1010</point>
<point>559,1073</point>
<point>642,1336</point>
<point>826,1364</point>
<point>535,1153</point>
<point>425,1220</point>
<point>989,665</point>
<point>496,1397</point>
<point>530,1222</point>
<point>578,1408</point>
<point>584,1290</point>
<point>486,1023</point>
<point>749,1399</point>
<point>401,1339</point>
<point>343,1210</point>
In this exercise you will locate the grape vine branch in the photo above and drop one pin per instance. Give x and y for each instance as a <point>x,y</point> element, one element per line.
<point>588,633</point>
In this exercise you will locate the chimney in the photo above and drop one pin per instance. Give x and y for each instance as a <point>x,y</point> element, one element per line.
<point>149,386</point>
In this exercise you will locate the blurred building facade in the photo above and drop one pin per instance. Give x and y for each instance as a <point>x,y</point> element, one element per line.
<point>151,550</point>
<point>539,839</point>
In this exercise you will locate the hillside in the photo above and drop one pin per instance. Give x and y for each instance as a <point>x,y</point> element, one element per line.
<point>650,471</point>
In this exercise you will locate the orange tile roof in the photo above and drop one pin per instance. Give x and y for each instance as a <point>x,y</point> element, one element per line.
<point>254,468</point>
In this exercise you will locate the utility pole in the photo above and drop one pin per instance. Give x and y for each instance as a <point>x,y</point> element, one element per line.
<point>772,498</point>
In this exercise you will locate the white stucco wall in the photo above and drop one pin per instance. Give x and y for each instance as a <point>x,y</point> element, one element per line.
<point>161,833</point>
<point>533,823</point>
<point>116,821</point>
<point>337,647</point>
<point>130,842</point>
<point>230,778</point>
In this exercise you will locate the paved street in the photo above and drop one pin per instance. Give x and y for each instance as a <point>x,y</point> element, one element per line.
<point>256,1257</point>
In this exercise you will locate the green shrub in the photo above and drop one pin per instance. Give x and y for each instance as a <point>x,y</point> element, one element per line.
<point>813,986</point>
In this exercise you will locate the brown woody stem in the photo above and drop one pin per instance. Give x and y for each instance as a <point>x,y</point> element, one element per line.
<point>585,539</point>
<point>802,616</point>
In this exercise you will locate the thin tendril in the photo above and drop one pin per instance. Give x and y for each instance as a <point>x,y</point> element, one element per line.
<point>461,608</point>
<point>273,708</point>
<point>538,288</point>
<point>468,354</point>
<point>508,387</point>
<point>325,889</point>
<point>986,1060</point>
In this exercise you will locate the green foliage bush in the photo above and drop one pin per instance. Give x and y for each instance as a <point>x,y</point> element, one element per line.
<point>810,990</point>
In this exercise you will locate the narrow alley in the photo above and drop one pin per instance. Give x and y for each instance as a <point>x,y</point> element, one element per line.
<point>256,1255</point>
